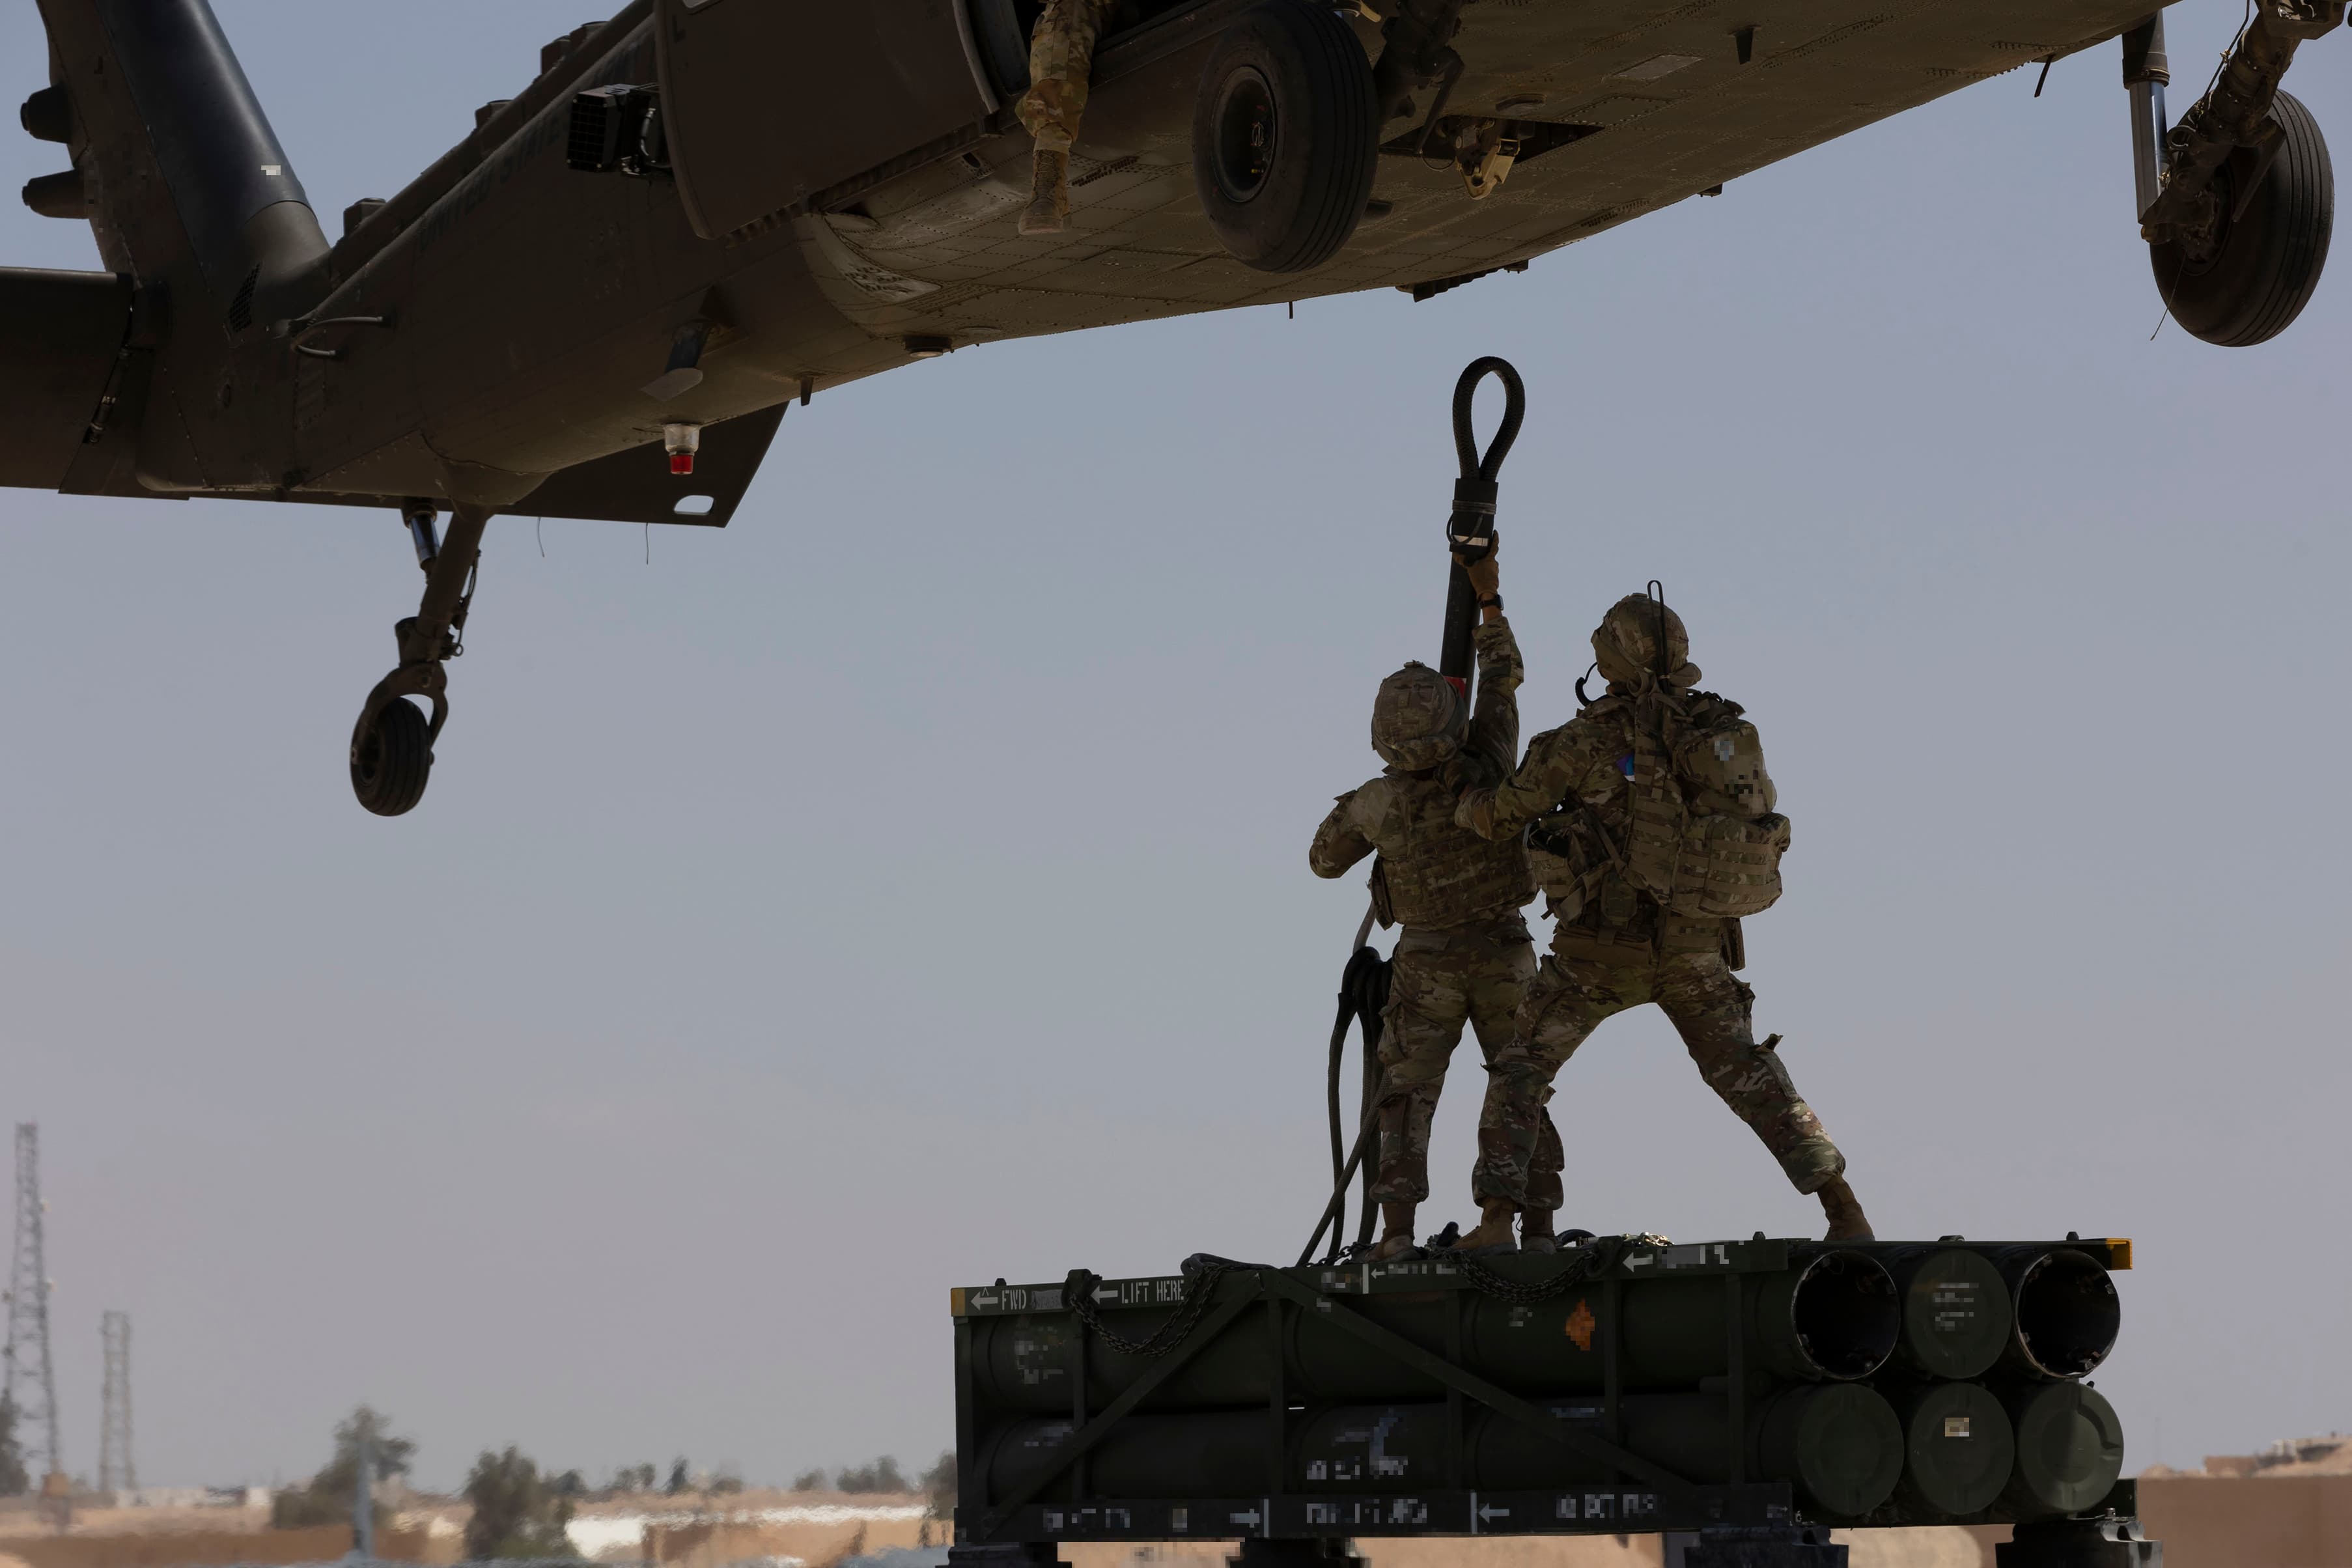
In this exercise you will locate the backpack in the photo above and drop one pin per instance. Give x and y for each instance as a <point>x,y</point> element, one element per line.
<point>1703,837</point>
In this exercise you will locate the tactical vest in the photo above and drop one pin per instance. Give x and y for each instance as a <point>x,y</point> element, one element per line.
<point>1693,830</point>
<point>1441,875</point>
<point>1702,837</point>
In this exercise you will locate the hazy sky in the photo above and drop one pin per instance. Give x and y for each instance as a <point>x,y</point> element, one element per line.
<point>908,886</point>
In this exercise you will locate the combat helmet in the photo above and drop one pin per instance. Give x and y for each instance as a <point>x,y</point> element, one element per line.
<point>1625,644</point>
<point>1416,719</point>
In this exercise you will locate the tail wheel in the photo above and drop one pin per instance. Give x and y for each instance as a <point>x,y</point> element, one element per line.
<point>2247,281</point>
<point>1284,136</point>
<point>392,757</point>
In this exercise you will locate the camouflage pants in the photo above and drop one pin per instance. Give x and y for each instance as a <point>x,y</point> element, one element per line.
<point>1442,980</point>
<point>1710,1009</point>
<point>1061,59</point>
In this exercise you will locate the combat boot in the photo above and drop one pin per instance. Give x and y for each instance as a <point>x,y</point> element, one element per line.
<point>1396,1244</point>
<point>1493,1236</point>
<point>1847,1222</point>
<point>1049,192</point>
<point>1536,1233</point>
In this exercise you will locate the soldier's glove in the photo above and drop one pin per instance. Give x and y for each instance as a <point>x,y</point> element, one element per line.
<point>1484,576</point>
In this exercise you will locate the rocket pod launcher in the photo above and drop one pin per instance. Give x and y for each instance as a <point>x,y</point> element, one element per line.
<point>1772,1386</point>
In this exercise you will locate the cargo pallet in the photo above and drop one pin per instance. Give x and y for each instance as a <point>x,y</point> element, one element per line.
<point>1101,1356</point>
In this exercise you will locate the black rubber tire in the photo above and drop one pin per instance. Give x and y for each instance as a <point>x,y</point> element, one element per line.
<point>1000,29</point>
<point>1286,134</point>
<point>2271,255</point>
<point>392,760</point>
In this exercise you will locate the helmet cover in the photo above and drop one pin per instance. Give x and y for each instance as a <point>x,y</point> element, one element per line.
<point>1625,644</point>
<point>1416,719</point>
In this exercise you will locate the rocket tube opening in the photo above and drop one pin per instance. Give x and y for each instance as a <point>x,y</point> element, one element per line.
<point>1846,1314</point>
<point>2068,1313</point>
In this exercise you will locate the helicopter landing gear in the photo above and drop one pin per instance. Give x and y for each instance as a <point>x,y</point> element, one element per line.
<point>2238,203</point>
<point>1285,137</point>
<point>2242,273</point>
<point>391,744</point>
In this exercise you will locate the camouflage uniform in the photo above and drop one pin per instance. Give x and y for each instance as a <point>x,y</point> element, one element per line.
<point>1464,955</point>
<point>1061,60</point>
<point>1613,948</point>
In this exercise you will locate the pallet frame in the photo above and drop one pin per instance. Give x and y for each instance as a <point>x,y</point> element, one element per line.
<point>1741,1523</point>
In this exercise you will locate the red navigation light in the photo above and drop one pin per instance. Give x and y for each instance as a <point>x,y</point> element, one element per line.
<point>682,439</point>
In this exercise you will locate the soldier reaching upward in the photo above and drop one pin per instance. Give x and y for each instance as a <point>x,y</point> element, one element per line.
<point>1465,954</point>
<point>1061,59</point>
<point>1655,830</point>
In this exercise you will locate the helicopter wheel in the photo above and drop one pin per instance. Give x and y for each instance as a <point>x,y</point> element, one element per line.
<point>1286,134</point>
<point>392,757</point>
<point>2246,281</point>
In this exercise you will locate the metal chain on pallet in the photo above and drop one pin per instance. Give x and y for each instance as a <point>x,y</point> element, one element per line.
<point>1201,1272</point>
<point>1591,1261</point>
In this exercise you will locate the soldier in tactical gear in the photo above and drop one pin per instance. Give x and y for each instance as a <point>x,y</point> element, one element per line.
<point>1061,60</point>
<point>1595,788</point>
<point>1465,954</point>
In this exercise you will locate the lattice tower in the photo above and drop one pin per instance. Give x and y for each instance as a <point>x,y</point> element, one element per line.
<point>28,1381</point>
<point>116,1470</point>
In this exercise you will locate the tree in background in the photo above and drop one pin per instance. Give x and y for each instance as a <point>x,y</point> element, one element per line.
<point>634,1479</point>
<point>516,1514</point>
<point>327,1500</point>
<point>809,1481</point>
<point>938,1484</point>
<point>938,1488</point>
<point>13,1481</point>
<point>882,1476</point>
<point>678,1481</point>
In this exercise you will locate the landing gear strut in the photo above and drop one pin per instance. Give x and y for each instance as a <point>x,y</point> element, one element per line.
<point>2238,201</point>
<point>391,744</point>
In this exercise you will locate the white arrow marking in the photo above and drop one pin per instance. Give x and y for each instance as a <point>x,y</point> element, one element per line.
<point>1489,1513</point>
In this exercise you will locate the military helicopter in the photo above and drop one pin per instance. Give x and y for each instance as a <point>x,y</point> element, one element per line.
<point>602,300</point>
